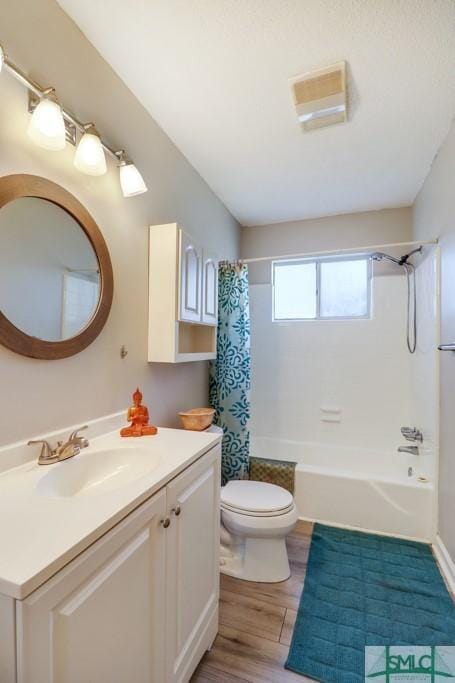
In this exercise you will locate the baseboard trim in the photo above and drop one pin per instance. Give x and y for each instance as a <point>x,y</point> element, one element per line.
<point>445,563</point>
<point>363,530</point>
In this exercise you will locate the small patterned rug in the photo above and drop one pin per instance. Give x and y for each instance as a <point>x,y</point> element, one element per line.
<point>279,472</point>
<point>363,589</point>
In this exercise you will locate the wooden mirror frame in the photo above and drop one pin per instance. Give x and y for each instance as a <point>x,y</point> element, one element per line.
<point>21,185</point>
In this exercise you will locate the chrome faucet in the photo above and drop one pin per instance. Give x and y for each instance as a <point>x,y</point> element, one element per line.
<point>412,434</point>
<point>63,450</point>
<point>413,450</point>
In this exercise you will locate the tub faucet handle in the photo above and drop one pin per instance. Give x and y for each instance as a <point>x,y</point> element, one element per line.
<point>412,434</point>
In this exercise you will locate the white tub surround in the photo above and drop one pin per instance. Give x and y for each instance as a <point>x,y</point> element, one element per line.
<point>94,552</point>
<point>309,368</point>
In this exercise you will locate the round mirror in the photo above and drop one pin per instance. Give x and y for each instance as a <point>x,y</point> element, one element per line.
<point>49,273</point>
<point>55,270</point>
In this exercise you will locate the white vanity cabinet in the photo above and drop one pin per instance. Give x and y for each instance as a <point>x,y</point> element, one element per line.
<point>100,618</point>
<point>192,554</point>
<point>141,604</point>
<point>183,297</point>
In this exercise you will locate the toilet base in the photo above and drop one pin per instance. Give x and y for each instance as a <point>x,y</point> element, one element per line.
<point>264,560</point>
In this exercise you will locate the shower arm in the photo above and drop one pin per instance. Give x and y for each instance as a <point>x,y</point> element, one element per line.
<point>404,259</point>
<point>447,347</point>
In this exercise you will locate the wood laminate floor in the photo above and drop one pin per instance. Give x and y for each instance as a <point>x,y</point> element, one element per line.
<point>256,622</point>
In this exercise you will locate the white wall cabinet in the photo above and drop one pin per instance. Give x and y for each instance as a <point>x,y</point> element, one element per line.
<point>190,290</point>
<point>183,297</point>
<point>139,605</point>
<point>209,288</point>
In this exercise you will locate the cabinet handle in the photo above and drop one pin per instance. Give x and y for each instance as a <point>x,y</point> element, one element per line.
<point>165,522</point>
<point>177,510</point>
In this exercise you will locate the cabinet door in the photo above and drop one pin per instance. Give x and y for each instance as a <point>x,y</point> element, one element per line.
<point>192,545</point>
<point>209,289</point>
<point>100,619</point>
<point>190,294</point>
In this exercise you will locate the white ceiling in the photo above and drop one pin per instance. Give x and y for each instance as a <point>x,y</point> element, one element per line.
<point>214,74</point>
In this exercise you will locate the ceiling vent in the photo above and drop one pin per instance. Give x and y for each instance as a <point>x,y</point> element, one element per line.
<point>320,96</point>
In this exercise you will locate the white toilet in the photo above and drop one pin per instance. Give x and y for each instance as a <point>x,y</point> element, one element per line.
<point>255,519</point>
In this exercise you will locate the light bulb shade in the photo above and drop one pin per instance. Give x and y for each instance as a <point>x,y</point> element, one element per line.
<point>131,181</point>
<point>47,126</point>
<point>90,157</point>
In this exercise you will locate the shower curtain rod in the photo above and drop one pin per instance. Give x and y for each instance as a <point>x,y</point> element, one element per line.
<point>352,250</point>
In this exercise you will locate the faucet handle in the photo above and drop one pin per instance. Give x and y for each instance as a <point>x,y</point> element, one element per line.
<point>74,434</point>
<point>46,447</point>
<point>412,434</point>
<point>47,454</point>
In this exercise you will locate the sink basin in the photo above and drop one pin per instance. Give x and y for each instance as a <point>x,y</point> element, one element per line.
<point>98,472</point>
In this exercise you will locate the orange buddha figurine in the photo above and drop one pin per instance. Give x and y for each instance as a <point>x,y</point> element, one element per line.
<point>138,415</point>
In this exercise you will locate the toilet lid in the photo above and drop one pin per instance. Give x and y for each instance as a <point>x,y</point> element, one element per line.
<point>255,497</point>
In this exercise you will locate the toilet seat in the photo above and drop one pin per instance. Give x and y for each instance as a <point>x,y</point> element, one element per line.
<point>248,513</point>
<point>256,499</point>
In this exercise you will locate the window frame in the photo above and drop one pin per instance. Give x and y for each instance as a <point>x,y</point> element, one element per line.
<point>317,261</point>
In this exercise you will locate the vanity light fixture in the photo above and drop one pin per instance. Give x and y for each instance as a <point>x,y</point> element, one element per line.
<point>131,181</point>
<point>90,157</point>
<point>52,126</point>
<point>47,126</point>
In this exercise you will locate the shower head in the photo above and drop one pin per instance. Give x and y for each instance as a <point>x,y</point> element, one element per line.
<point>403,261</point>
<point>380,255</point>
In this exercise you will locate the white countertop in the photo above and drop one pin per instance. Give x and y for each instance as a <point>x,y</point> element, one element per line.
<point>41,530</point>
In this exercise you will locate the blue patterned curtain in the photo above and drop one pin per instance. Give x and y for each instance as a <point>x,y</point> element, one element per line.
<point>230,373</point>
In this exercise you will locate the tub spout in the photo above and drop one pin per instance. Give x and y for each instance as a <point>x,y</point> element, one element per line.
<point>413,450</point>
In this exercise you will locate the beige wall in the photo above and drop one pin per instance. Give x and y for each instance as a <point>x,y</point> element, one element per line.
<point>434,216</point>
<point>38,396</point>
<point>334,232</point>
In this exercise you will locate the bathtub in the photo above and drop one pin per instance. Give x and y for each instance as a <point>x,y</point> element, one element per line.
<point>365,489</point>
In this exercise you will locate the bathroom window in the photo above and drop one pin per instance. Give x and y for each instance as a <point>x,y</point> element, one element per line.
<point>321,289</point>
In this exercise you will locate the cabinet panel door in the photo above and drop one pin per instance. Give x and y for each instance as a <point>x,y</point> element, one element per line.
<point>100,619</point>
<point>192,543</point>
<point>190,294</point>
<point>209,289</point>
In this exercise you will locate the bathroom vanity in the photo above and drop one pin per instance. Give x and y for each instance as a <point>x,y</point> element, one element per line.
<point>109,562</point>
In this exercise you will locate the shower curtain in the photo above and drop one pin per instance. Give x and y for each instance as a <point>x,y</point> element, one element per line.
<point>230,373</point>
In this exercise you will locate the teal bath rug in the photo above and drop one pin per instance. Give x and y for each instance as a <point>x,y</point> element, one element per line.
<point>362,589</point>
